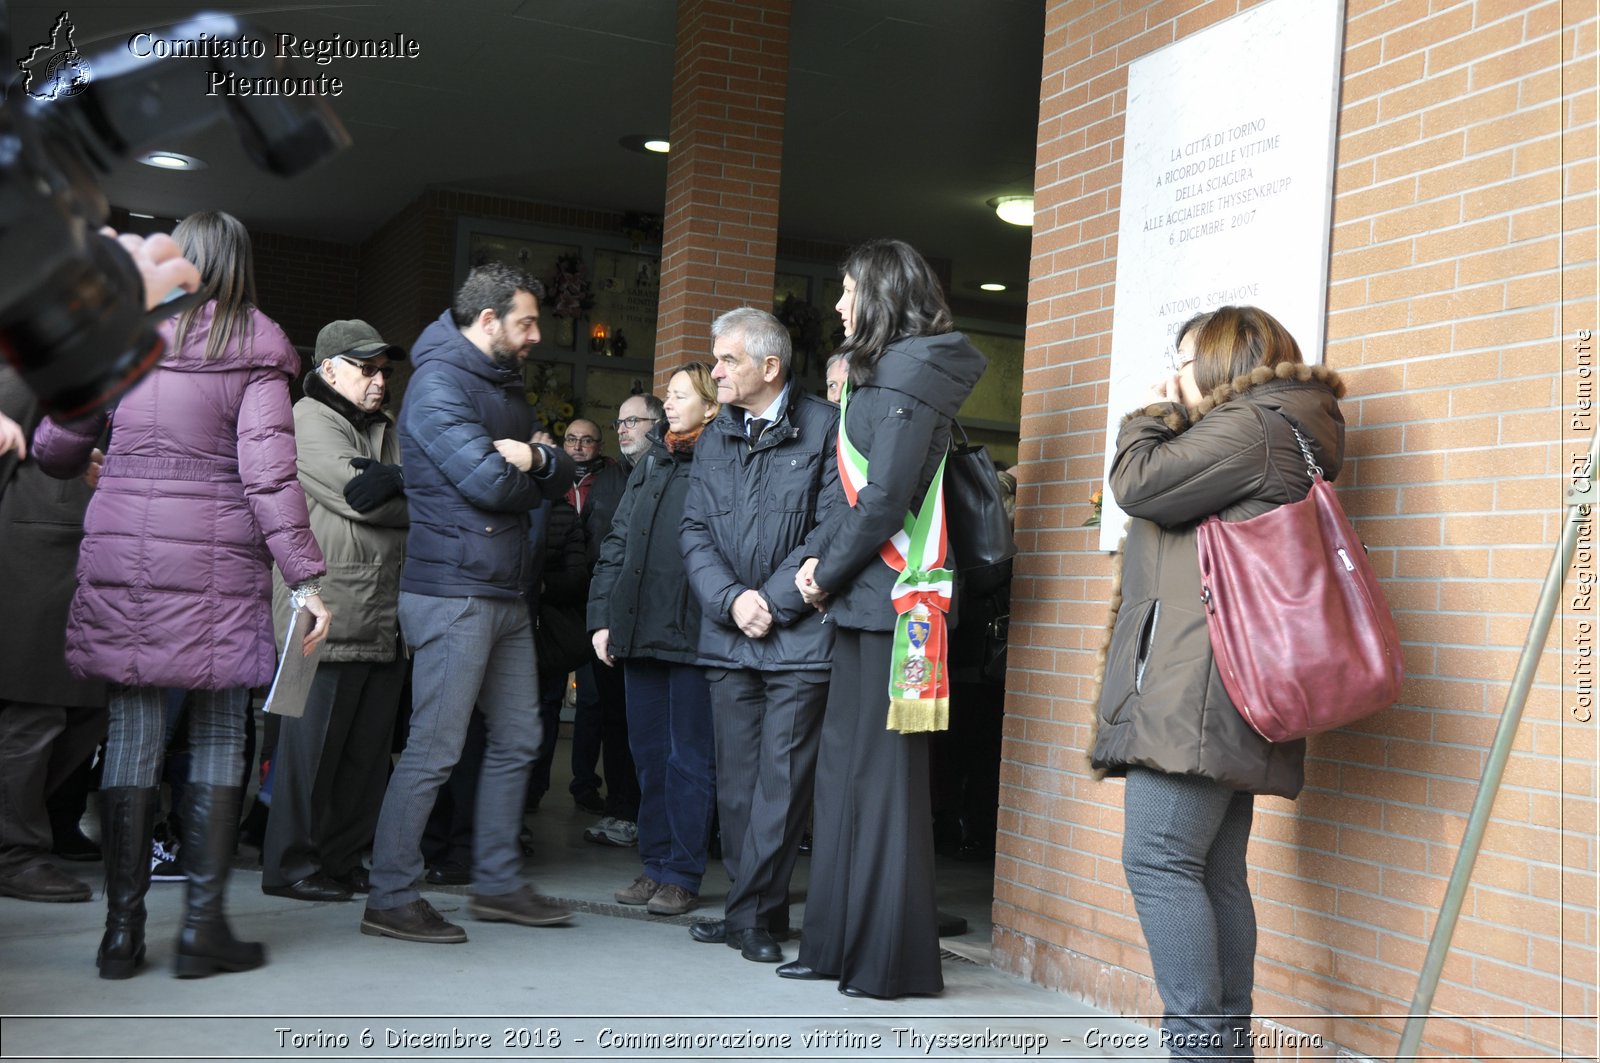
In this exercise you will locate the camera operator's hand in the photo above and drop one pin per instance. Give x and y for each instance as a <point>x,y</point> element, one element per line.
<point>160,263</point>
<point>12,437</point>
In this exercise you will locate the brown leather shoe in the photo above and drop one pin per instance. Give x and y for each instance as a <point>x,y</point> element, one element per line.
<point>43,882</point>
<point>644,887</point>
<point>417,921</point>
<point>519,906</point>
<point>672,899</point>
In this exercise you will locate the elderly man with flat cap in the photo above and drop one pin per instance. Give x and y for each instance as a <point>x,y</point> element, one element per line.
<point>331,764</point>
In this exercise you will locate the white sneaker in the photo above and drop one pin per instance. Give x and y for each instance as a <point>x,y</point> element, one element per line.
<point>164,866</point>
<point>613,831</point>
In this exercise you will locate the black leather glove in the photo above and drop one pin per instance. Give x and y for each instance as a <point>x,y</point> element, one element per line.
<point>374,485</point>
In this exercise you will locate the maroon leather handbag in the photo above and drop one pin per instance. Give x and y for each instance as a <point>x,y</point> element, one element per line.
<point>1301,630</point>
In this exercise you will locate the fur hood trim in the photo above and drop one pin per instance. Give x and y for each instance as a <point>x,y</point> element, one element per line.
<point>1179,418</point>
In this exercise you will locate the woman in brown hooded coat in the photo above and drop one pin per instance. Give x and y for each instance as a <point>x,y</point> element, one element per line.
<point>1216,438</point>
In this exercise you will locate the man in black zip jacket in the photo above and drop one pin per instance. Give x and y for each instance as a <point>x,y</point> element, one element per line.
<point>761,470</point>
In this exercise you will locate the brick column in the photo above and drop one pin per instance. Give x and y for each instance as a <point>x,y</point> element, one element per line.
<point>720,231</point>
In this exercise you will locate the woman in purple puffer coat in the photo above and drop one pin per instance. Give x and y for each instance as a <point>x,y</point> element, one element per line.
<point>197,498</point>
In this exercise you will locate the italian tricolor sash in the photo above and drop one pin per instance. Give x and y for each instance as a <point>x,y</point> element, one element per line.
<point>919,674</point>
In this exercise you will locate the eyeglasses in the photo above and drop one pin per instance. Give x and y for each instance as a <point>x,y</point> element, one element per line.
<point>581,441</point>
<point>368,370</point>
<point>1177,362</point>
<point>630,423</point>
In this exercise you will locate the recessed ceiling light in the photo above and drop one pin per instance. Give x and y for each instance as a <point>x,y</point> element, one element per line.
<point>1017,210</point>
<point>645,143</point>
<point>992,286</point>
<point>171,160</point>
<point>136,214</point>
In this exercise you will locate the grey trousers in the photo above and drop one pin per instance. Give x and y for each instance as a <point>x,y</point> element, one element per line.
<point>466,651</point>
<point>768,726</point>
<point>1183,848</point>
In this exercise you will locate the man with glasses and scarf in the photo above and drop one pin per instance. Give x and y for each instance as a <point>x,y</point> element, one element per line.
<point>331,764</point>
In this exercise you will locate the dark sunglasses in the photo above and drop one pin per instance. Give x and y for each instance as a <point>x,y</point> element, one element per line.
<point>367,368</point>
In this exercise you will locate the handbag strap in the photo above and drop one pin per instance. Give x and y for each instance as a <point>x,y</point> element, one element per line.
<point>1305,448</point>
<point>1305,451</point>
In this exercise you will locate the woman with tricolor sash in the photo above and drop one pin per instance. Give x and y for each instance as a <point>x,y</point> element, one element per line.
<point>879,570</point>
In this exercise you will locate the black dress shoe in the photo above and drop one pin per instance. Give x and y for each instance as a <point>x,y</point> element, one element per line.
<point>710,932</point>
<point>75,846</point>
<point>356,880</point>
<point>796,969</point>
<point>448,873</point>
<point>852,991</point>
<point>318,887</point>
<point>757,945</point>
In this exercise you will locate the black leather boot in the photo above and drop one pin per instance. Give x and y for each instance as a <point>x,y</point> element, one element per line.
<point>206,945</point>
<point>127,817</point>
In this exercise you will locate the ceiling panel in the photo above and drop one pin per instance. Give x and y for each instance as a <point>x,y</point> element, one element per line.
<point>903,116</point>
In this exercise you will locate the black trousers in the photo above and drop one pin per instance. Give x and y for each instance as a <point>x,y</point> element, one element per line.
<point>40,745</point>
<point>767,726</point>
<point>329,771</point>
<point>600,735</point>
<point>869,902</point>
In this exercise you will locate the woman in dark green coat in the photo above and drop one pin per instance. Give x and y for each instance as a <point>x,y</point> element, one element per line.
<point>1217,437</point>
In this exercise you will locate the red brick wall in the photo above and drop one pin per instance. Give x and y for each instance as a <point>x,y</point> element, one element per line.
<point>720,229</point>
<point>304,284</point>
<point>394,262</point>
<point>1463,266</point>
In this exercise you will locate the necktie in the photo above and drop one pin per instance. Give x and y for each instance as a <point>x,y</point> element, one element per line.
<point>755,427</point>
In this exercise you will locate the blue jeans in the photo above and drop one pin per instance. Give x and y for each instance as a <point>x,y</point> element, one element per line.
<point>467,650</point>
<point>669,731</point>
<point>1183,848</point>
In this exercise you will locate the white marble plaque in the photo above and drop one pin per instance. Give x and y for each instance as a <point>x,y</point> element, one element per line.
<point>1227,190</point>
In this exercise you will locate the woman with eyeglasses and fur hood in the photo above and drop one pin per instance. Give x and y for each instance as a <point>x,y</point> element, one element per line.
<point>1215,438</point>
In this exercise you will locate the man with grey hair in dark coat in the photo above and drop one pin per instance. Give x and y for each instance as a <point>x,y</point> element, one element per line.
<point>761,469</point>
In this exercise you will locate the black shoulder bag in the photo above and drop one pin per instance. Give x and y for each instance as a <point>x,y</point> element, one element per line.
<point>979,531</point>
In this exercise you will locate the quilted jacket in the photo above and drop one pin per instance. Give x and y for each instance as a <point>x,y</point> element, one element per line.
<point>197,499</point>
